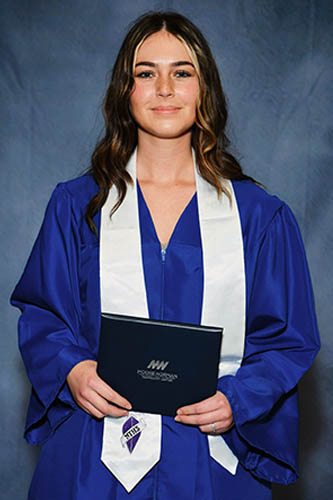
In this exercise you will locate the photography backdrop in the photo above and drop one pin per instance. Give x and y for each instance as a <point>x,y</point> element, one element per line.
<point>275,59</point>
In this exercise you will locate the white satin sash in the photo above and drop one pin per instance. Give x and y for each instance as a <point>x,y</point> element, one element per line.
<point>123,292</point>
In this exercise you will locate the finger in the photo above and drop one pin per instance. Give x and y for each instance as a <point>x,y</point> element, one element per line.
<point>219,427</point>
<point>201,418</point>
<point>90,409</point>
<point>110,394</point>
<point>108,410</point>
<point>207,405</point>
<point>114,411</point>
<point>103,406</point>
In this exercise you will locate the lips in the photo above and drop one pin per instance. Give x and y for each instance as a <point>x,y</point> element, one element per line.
<point>165,109</point>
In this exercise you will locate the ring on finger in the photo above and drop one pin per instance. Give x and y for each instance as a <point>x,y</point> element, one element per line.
<point>213,428</point>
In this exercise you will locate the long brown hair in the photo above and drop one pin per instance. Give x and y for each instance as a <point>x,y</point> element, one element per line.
<point>112,152</point>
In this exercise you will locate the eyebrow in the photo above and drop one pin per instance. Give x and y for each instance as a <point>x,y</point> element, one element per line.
<point>174,64</point>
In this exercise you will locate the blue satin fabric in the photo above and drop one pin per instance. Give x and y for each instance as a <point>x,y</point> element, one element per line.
<point>59,296</point>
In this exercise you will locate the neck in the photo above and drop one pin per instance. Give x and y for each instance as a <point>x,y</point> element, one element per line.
<point>165,161</point>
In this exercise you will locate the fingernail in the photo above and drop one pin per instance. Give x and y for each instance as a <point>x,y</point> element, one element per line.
<point>177,418</point>
<point>179,412</point>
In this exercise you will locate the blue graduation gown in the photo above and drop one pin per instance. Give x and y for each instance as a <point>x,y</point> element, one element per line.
<point>59,297</point>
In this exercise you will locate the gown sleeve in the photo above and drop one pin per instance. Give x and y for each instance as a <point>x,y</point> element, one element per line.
<point>281,342</point>
<point>48,296</point>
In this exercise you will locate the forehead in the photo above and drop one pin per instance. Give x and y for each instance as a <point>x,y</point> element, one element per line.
<point>162,46</point>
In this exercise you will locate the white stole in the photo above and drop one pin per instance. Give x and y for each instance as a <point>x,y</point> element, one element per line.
<point>123,292</point>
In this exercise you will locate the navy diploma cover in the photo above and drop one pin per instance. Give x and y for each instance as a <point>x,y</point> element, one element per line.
<point>158,366</point>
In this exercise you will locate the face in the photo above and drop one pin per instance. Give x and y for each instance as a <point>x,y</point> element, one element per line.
<point>163,101</point>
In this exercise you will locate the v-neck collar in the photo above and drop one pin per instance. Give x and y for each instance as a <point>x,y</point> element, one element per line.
<point>189,210</point>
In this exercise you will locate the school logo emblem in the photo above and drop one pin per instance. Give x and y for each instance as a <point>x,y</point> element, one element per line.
<point>156,364</point>
<point>131,432</point>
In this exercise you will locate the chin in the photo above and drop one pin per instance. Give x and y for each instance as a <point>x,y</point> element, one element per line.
<point>168,132</point>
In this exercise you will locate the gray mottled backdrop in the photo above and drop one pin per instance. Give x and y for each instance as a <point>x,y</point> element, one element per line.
<point>275,61</point>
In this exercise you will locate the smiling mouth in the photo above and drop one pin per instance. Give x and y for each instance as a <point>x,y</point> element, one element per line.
<point>165,109</point>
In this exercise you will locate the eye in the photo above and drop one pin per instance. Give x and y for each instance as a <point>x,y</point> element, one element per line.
<point>183,74</point>
<point>144,74</point>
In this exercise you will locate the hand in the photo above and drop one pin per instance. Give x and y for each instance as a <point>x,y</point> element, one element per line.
<point>214,410</point>
<point>92,394</point>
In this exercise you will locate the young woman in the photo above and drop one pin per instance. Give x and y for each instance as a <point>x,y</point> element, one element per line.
<point>191,239</point>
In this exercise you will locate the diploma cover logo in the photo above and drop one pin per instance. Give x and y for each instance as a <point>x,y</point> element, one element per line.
<point>157,365</point>
<point>131,432</point>
<point>155,371</point>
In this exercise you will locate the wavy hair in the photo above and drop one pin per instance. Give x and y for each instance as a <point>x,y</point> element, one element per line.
<point>209,140</point>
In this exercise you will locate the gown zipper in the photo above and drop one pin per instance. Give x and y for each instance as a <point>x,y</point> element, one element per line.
<point>163,257</point>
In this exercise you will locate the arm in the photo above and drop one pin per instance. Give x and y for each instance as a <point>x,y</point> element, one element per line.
<point>281,343</point>
<point>48,297</point>
<point>50,338</point>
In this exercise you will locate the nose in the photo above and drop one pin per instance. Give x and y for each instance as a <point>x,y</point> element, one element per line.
<point>164,86</point>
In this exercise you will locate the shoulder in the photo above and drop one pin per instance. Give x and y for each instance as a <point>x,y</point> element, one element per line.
<point>75,193</point>
<point>257,208</point>
<point>68,204</point>
<point>81,189</point>
<point>252,197</point>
